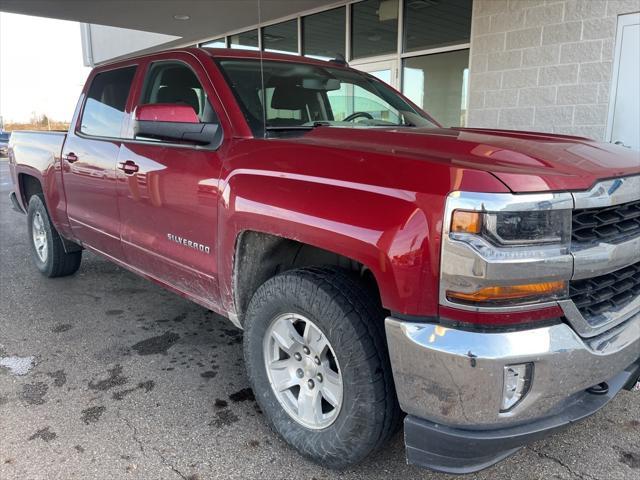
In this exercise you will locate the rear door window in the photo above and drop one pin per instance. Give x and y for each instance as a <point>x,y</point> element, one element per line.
<point>104,108</point>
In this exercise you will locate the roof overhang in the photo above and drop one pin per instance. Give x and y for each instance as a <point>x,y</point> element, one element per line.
<point>206,18</point>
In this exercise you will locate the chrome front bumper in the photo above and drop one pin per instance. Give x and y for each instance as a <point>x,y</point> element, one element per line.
<point>455,377</point>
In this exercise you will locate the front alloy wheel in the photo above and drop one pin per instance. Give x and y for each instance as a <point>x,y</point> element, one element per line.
<point>315,352</point>
<point>303,371</point>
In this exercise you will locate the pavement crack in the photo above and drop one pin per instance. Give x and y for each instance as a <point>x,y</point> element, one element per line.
<point>134,435</point>
<point>164,460</point>
<point>581,476</point>
<point>169,464</point>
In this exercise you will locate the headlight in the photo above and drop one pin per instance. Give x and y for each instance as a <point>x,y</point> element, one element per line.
<point>512,229</point>
<point>504,250</point>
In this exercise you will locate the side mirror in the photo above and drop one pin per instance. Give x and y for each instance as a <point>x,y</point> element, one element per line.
<point>174,123</point>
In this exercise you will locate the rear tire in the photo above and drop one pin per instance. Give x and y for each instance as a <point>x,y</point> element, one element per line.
<point>47,248</point>
<point>346,319</point>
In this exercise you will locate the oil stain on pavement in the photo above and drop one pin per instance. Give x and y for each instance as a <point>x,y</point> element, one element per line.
<point>155,345</point>
<point>92,414</point>
<point>59,378</point>
<point>33,393</point>
<point>144,386</point>
<point>44,434</point>
<point>115,379</point>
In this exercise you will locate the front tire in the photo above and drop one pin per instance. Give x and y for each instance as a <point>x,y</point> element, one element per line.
<point>317,360</point>
<point>46,245</point>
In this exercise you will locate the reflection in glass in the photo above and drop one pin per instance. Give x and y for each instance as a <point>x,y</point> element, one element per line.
<point>384,75</point>
<point>374,28</point>
<point>217,43</point>
<point>436,23</point>
<point>104,109</point>
<point>282,37</point>
<point>323,34</point>
<point>296,97</point>
<point>438,83</point>
<point>246,40</point>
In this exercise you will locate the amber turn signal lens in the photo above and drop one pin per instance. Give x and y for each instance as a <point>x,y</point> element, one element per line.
<point>511,292</point>
<point>466,222</point>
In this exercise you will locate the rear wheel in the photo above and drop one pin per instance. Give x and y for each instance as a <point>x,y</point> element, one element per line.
<point>46,245</point>
<point>318,364</point>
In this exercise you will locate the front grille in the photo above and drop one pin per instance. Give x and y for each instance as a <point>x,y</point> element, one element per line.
<point>607,224</point>
<point>596,295</point>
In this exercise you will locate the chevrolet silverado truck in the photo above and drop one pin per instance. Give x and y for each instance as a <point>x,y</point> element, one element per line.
<point>481,286</point>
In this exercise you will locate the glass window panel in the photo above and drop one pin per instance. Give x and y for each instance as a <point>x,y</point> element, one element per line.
<point>245,40</point>
<point>282,37</point>
<point>438,83</point>
<point>384,75</point>
<point>104,109</point>
<point>323,34</point>
<point>175,82</point>
<point>352,98</point>
<point>217,43</point>
<point>374,28</point>
<point>296,95</point>
<point>436,23</point>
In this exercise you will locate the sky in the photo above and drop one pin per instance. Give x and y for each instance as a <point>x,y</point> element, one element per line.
<point>41,67</point>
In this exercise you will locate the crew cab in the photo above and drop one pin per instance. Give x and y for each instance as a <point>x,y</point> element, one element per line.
<point>481,286</point>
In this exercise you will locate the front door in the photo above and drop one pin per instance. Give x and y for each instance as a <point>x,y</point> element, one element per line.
<point>89,160</point>
<point>168,192</point>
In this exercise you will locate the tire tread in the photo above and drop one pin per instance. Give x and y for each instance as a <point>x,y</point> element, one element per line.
<point>344,298</point>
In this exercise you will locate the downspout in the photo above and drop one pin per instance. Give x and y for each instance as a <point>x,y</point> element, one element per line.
<point>87,46</point>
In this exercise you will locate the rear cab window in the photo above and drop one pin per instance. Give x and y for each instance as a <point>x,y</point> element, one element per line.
<point>104,108</point>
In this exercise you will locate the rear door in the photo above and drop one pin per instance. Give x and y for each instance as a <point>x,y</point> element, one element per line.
<point>168,206</point>
<point>89,159</point>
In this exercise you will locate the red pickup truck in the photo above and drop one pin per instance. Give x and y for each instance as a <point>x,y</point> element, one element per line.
<point>484,282</point>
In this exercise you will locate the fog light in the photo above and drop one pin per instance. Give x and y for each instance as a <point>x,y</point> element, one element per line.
<point>517,381</point>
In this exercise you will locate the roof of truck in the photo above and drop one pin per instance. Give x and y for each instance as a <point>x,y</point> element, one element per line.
<point>238,53</point>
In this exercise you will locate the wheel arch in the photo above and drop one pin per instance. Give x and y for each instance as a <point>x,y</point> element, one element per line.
<point>259,256</point>
<point>29,185</point>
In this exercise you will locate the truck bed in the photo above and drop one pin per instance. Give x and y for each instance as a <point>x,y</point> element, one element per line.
<point>36,149</point>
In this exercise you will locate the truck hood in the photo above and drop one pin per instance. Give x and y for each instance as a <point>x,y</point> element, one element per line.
<point>523,161</point>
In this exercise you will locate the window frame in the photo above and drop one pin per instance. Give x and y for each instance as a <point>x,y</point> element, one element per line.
<point>301,29</point>
<point>261,33</point>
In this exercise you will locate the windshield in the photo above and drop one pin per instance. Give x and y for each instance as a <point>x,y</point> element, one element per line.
<point>300,96</point>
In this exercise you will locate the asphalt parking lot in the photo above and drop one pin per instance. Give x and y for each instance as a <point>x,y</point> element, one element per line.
<point>123,380</point>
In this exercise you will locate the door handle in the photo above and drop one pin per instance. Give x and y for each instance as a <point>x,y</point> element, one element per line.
<point>129,167</point>
<point>70,157</point>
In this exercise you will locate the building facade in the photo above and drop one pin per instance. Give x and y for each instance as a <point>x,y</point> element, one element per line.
<point>559,66</point>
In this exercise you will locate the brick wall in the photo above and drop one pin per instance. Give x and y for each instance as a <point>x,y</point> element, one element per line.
<point>543,65</point>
